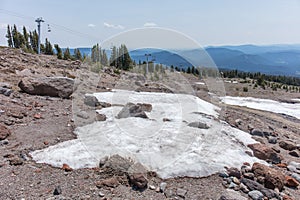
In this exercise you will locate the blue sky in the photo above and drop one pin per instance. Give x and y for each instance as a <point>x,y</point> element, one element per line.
<point>216,22</point>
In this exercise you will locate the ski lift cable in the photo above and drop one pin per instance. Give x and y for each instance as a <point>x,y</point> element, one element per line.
<point>66,29</point>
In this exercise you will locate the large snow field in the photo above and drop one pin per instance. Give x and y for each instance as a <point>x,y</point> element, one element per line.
<point>171,148</point>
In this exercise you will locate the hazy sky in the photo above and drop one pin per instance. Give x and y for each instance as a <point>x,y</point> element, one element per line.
<point>215,22</point>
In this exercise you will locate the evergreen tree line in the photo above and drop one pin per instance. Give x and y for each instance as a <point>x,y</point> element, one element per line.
<point>28,41</point>
<point>262,78</point>
<point>120,58</point>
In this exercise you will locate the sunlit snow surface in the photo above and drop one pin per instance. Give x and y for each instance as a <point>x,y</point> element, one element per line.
<point>170,148</point>
<point>264,104</point>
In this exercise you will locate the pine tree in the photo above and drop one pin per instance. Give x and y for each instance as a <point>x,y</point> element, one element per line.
<point>26,38</point>
<point>113,57</point>
<point>104,60</point>
<point>67,54</point>
<point>77,54</point>
<point>15,37</point>
<point>58,51</point>
<point>48,48</point>
<point>9,37</point>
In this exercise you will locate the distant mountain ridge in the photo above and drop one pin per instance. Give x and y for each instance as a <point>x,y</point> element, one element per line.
<point>269,59</point>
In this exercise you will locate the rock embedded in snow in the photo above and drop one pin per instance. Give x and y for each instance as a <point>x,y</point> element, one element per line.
<point>132,110</point>
<point>200,125</point>
<point>91,100</point>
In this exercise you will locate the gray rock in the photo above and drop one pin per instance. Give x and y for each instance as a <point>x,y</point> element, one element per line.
<point>232,185</point>
<point>292,168</point>
<point>83,115</point>
<point>131,110</point>
<point>272,140</point>
<point>295,164</point>
<point>4,142</point>
<point>48,86</point>
<point>181,192</point>
<point>91,100</point>
<point>118,164</point>
<point>294,153</point>
<point>162,186</point>
<point>256,195</point>
<point>287,145</point>
<point>296,176</point>
<point>257,132</point>
<point>57,190</point>
<point>200,125</point>
<point>5,91</point>
<point>138,180</point>
<point>253,185</point>
<point>223,174</point>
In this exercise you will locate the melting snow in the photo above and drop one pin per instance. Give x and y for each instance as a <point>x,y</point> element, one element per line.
<point>170,148</point>
<point>264,104</point>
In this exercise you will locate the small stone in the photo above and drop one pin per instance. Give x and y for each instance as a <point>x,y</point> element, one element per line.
<point>4,132</point>
<point>46,142</point>
<point>4,142</point>
<point>138,180</point>
<point>16,161</point>
<point>244,188</point>
<point>166,120</point>
<point>287,145</point>
<point>181,192</point>
<point>37,116</point>
<point>163,186</point>
<point>101,194</point>
<point>83,115</point>
<point>296,164</point>
<point>238,122</point>
<point>232,185</point>
<point>292,168</point>
<point>257,132</point>
<point>110,182</point>
<point>236,180</point>
<point>234,172</point>
<point>152,187</point>
<point>286,197</point>
<point>66,167</point>
<point>223,174</point>
<point>250,127</point>
<point>272,140</point>
<point>291,182</point>
<point>100,117</point>
<point>282,165</point>
<point>296,176</point>
<point>256,195</point>
<point>57,190</point>
<point>249,175</point>
<point>200,125</point>
<point>294,153</point>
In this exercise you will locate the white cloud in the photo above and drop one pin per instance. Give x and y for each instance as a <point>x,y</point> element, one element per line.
<point>113,26</point>
<point>150,24</point>
<point>91,25</point>
<point>3,25</point>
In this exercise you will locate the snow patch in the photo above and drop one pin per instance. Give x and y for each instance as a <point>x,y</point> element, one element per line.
<point>170,148</point>
<point>264,104</point>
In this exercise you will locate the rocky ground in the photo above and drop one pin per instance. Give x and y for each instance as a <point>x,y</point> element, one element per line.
<point>29,122</point>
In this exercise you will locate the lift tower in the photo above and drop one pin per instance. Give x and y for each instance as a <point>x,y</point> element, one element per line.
<point>38,21</point>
